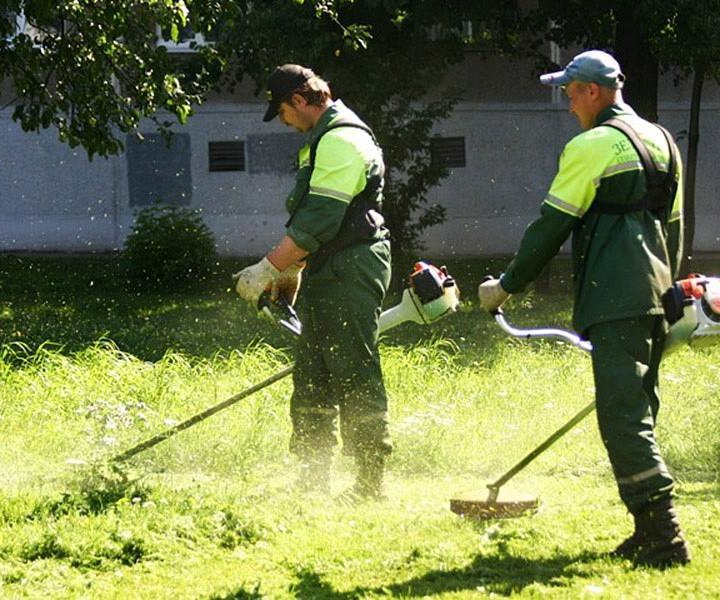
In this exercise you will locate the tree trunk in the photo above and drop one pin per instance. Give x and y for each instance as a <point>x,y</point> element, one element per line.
<point>632,50</point>
<point>691,167</point>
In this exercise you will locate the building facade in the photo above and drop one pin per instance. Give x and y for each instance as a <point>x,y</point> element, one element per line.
<point>503,140</point>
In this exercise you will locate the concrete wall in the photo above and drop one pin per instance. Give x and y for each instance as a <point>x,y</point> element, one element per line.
<point>53,199</point>
<point>512,155</point>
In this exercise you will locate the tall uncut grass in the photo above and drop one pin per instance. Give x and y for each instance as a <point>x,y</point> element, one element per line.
<point>453,410</point>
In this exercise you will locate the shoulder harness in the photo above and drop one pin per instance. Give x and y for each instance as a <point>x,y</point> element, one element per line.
<point>660,187</point>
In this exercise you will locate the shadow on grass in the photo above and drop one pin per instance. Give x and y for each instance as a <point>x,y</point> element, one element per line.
<point>73,301</point>
<point>708,492</point>
<point>502,574</point>
<point>240,594</point>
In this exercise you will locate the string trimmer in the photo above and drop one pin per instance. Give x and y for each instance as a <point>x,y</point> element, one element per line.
<point>431,294</point>
<point>692,308</point>
<point>478,506</point>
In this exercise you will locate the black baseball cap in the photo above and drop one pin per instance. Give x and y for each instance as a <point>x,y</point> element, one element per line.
<point>283,81</point>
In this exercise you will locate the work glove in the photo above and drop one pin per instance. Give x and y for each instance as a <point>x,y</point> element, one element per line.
<point>252,281</point>
<point>491,294</point>
<point>287,284</point>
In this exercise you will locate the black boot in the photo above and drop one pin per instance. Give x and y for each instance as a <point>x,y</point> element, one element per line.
<point>369,482</point>
<point>630,546</point>
<point>660,541</point>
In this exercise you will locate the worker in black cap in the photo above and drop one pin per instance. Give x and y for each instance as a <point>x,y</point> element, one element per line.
<point>337,245</point>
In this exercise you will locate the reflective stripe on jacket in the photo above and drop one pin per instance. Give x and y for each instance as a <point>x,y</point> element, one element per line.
<point>346,158</point>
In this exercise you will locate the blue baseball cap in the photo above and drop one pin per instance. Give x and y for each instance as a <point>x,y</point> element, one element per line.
<point>593,66</point>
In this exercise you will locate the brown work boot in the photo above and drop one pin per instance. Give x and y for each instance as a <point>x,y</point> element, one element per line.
<point>660,541</point>
<point>663,552</point>
<point>314,476</point>
<point>629,547</point>
<point>368,483</point>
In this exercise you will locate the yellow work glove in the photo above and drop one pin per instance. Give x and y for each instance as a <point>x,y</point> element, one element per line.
<point>287,284</point>
<point>252,281</point>
<point>491,294</point>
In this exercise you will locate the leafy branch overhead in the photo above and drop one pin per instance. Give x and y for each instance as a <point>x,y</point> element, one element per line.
<point>94,69</point>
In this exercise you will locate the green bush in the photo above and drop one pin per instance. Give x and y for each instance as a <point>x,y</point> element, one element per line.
<point>169,246</point>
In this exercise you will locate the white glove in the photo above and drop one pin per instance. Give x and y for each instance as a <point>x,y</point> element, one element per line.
<point>287,284</point>
<point>252,281</point>
<point>491,294</point>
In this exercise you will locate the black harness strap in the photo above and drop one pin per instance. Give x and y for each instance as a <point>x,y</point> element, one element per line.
<point>313,148</point>
<point>363,217</point>
<point>660,187</point>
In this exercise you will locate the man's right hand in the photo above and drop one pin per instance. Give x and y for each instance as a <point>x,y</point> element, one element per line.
<point>491,294</point>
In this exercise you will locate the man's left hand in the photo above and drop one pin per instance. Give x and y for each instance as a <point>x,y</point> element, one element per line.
<point>252,281</point>
<point>287,284</point>
<point>491,294</point>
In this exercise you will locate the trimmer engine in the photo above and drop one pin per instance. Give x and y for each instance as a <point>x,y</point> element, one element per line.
<point>692,308</point>
<point>431,294</point>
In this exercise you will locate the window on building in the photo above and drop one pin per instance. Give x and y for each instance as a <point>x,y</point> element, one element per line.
<point>226,156</point>
<point>188,40</point>
<point>39,33</point>
<point>461,28</point>
<point>448,152</point>
<point>274,153</point>
<point>13,24</point>
<point>158,173</point>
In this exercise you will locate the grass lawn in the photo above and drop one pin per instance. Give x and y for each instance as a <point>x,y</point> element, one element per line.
<point>89,367</point>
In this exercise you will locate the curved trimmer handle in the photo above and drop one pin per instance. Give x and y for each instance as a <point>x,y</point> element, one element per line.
<point>545,332</point>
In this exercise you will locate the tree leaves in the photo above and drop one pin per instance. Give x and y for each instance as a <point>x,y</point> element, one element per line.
<point>93,70</point>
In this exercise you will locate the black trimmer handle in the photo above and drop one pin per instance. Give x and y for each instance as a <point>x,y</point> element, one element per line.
<point>291,321</point>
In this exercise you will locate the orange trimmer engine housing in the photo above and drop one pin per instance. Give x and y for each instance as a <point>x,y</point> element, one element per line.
<point>692,309</point>
<point>429,282</point>
<point>686,291</point>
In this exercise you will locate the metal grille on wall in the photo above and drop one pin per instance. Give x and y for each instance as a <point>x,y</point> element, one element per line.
<point>448,152</point>
<point>226,156</point>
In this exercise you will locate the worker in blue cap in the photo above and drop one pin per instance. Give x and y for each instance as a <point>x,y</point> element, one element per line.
<point>618,192</point>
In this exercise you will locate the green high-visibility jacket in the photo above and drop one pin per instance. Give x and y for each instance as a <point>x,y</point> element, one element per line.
<point>622,263</point>
<point>345,160</point>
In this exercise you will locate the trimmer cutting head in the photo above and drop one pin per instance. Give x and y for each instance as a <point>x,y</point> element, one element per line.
<point>476,505</point>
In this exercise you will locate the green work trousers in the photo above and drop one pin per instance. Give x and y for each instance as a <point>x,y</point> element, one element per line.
<point>337,364</point>
<point>626,357</point>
